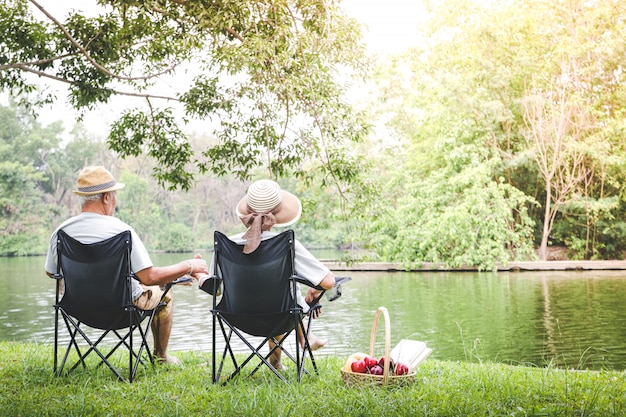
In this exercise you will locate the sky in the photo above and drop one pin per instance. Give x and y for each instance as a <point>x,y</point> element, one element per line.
<point>390,26</point>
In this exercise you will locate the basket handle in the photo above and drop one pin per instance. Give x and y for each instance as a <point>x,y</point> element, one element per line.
<point>383,311</point>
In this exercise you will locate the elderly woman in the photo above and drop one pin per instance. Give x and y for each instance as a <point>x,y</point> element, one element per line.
<point>265,206</point>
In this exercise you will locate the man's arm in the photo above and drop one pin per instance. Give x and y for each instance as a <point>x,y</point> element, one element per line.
<point>161,275</point>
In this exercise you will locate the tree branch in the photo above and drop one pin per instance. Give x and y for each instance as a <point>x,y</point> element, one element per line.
<point>34,63</point>
<point>85,53</point>
<point>63,80</point>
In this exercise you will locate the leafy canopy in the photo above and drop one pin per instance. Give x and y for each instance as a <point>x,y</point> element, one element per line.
<point>268,75</point>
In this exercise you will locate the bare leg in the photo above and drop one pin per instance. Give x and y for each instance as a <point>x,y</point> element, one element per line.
<point>161,326</point>
<point>275,358</point>
<point>314,341</point>
<point>161,330</point>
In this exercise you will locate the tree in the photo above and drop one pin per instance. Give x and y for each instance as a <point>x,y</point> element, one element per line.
<point>452,102</point>
<point>557,126</point>
<point>454,217</point>
<point>267,74</point>
<point>573,119</point>
<point>23,217</point>
<point>457,101</point>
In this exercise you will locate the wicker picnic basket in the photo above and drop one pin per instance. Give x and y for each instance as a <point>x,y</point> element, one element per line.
<point>354,378</point>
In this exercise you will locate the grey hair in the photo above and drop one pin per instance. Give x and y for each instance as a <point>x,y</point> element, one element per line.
<point>84,199</point>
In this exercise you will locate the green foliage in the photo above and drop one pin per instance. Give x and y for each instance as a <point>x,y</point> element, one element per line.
<point>590,230</point>
<point>455,181</point>
<point>138,206</point>
<point>158,136</point>
<point>23,151</point>
<point>266,74</point>
<point>456,102</point>
<point>463,219</point>
<point>22,217</point>
<point>175,237</point>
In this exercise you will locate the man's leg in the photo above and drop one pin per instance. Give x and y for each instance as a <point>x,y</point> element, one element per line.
<point>161,330</point>
<point>162,324</point>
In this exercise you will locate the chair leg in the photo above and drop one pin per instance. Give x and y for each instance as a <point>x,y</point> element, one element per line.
<point>130,348</point>
<point>264,359</point>
<point>214,373</point>
<point>227,335</point>
<point>126,340</point>
<point>72,329</point>
<point>307,349</point>
<point>56,338</point>
<point>93,347</point>
<point>298,357</point>
<point>256,353</point>
<point>143,347</point>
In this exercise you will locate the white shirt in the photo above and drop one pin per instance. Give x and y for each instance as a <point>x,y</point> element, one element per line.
<point>91,228</point>
<point>307,266</point>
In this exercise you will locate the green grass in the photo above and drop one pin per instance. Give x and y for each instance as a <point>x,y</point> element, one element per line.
<point>29,388</point>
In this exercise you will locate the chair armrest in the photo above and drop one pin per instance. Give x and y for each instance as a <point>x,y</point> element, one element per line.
<point>211,285</point>
<point>341,280</point>
<point>303,281</point>
<point>338,282</point>
<point>331,294</point>
<point>335,292</point>
<point>182,280</point>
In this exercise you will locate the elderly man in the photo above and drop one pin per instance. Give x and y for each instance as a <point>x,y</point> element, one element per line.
<point>97,195</point>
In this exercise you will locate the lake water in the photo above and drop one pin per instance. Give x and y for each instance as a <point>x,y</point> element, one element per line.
<point>573,319</point>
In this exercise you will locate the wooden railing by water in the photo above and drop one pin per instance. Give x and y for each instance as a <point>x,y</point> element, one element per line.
<point>511,266</point>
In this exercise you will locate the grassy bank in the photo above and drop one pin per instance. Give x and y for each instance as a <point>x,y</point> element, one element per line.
<point>28,388</point>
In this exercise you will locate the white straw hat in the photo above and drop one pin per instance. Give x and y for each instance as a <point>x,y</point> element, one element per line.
<point>266,196</point>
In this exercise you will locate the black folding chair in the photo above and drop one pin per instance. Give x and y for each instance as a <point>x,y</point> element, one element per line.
<point>96,280</point>
<point>258,298</point>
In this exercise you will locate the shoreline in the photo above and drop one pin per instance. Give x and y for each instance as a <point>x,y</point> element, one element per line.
<point>615,265</point>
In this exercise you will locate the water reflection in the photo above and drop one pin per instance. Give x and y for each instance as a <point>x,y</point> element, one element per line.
<point>570,318</point>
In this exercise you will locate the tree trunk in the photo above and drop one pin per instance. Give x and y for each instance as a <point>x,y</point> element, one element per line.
<point>547,224</point>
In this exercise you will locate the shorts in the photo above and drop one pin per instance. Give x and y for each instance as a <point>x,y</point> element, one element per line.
<point>151,297</point>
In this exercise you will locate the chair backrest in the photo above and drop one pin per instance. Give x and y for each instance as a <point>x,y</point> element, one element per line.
<point>256,288</point>
<point>96,279</point>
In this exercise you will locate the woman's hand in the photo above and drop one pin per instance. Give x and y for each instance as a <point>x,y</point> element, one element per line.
<point>311,295</point>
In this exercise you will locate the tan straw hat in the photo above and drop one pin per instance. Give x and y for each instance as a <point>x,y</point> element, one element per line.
<point>96,180</point>
<point>266,195</point>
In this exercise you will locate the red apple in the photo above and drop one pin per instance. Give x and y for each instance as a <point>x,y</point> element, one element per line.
<point>359,366</point>
<point>401,369</point>
<point>377,370</point>
<point>381,362</point>
<point>370,362</point>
